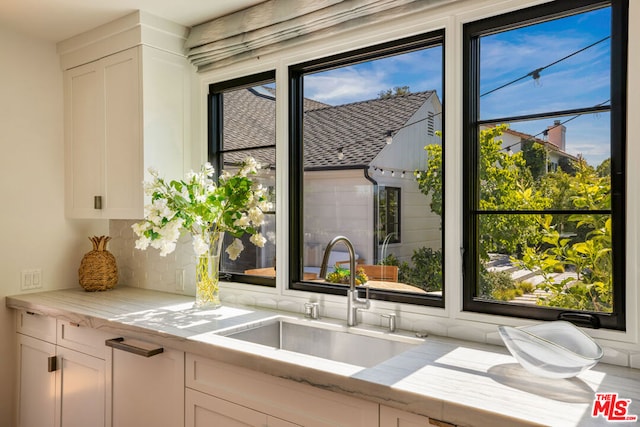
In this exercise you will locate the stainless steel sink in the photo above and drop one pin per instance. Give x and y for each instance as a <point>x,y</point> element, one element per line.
<point>327,342</point>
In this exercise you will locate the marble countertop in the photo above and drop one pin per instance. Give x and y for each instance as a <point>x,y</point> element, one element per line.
<point>459,382</point>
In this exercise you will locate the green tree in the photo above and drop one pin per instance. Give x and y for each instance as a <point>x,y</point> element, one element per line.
<point>389,93</point>
<point>535,157</point>
<point>604,168</point>
<point>506,183</point>
<point>587,253</point>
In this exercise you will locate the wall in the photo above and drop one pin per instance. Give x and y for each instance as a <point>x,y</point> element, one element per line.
<point>34,232</point>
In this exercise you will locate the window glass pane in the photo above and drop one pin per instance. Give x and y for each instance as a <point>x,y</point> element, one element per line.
<point>543,134</point>
<point>546,164</point>
<point>249,118</point>
<point>248,129</point>
<point>560,261</point>
<point>551,66</point>
<point>365,129</point>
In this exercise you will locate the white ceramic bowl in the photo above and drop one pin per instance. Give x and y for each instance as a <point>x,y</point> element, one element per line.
<point>553,350</point>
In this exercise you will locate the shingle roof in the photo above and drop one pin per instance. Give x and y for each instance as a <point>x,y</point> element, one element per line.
<point>358,128</point>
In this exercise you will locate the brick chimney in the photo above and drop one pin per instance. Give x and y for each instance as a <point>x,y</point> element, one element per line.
<point>556,134</point>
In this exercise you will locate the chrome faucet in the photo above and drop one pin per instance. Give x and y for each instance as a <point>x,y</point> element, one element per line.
<point>353,302</point>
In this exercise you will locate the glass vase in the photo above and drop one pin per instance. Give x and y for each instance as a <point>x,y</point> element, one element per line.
<point>207,274</point>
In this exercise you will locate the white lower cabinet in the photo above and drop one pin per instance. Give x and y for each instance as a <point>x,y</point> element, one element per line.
<point>203,410</point>
<point>36,383</point>
<point>68,377</point>
<point>59,386</point>
<point>147,391</point>
<point>391,417</point>
<point>219,391</point>
<point>81,381</point>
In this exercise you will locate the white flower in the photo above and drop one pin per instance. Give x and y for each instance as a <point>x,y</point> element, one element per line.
<point>199,205</point>
<point>143,243</point>
<point>265,206</point>
<point>139,228</point>
<point>243,221</point>
<point>234,249</point>
<point>256,216</point>
<point>200,247</point>
<point>258,240</point>
<point>167,248</point>
<point>208,169</point>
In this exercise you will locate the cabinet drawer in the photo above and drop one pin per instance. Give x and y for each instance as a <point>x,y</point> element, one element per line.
<point>83,339</point>
<point>36,325</point>
<point>288,400</point>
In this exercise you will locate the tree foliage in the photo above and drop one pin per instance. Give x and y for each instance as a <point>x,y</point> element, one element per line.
<point>389,93</point>
<point>579,244</point>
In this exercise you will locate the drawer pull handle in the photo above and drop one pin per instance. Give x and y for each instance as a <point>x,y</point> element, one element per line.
<point>97,202</point>
<point>118,343</point>
<point>52,364</point>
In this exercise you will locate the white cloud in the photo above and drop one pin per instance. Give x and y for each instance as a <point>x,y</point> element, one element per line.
<point>344,85</point>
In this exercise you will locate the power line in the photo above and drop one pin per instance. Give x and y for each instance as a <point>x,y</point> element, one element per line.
<point>536,73</point>
<point>555,125</point>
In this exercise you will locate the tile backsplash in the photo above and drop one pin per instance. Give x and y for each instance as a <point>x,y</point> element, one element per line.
<point>147,269</point>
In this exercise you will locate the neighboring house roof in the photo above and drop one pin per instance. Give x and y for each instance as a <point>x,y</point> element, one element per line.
<point>548,145</point>
<point>358,128</point>
<point>249,119</point>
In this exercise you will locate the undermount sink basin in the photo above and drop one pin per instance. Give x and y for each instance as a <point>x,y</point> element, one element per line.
<point>326,341</point>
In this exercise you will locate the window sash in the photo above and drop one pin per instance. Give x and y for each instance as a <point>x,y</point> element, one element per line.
<point>296,169</point>
<point>471,113</point>
<point>217,151</point>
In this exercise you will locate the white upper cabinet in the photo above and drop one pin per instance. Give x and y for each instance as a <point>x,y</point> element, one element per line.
<point>125,112</point>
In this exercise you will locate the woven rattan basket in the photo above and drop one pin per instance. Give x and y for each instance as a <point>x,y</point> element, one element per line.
<point>98,270</point>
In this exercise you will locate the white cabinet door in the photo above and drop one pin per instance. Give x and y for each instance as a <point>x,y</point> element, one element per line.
<point>124,113</point>
<point>122,191</point>
<point>391,417</point>
<point>279,398</point>
<point>80,397</point>
<point>36,384</point>
<point>57,386</point>
<point>148,391</point>
<point>203,410</point>
<point>102,137</point>
<point>84,139</point>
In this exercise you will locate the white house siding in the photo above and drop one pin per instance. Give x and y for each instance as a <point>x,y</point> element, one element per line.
<point>419,227</point>
<point>337,203</point>
<point>406,152</point>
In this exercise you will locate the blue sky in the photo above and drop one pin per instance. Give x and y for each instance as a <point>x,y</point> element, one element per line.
<point>577,82</point>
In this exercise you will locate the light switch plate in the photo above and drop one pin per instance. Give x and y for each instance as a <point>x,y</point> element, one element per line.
<point>31,279</point>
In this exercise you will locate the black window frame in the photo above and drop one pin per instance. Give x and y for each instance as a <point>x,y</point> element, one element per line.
<point>296,167</point>
<point>397,238</point>
<point>471,122</point>
<point>215,130</point>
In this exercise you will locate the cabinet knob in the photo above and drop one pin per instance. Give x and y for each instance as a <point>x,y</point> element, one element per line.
<point>97,202</point>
